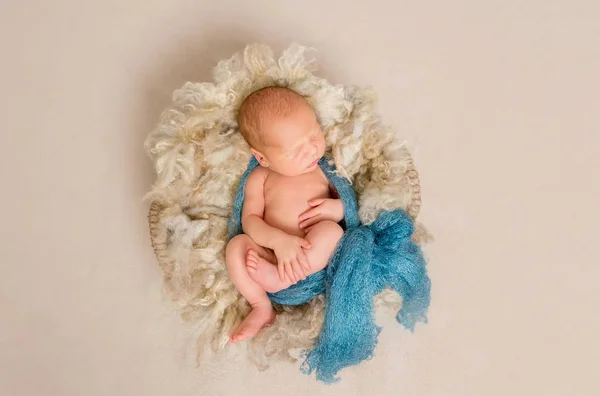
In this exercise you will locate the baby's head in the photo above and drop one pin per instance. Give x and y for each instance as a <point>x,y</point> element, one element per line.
<point>282,131</point>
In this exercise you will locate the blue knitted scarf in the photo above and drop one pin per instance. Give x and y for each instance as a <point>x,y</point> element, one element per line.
<point>367,259</point>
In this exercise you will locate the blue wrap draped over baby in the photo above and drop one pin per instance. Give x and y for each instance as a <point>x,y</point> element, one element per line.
<point>368,259</point>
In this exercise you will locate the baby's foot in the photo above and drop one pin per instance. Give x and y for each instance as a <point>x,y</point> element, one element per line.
<point>258,318</point>
<point>264,273</point>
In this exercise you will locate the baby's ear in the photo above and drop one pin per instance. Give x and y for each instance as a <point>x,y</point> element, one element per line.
<point>259,157</point>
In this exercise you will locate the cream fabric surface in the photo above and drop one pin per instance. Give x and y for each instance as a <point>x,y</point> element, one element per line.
<point>498,101</point>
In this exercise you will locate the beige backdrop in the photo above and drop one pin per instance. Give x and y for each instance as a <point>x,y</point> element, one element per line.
<point>498,99</point>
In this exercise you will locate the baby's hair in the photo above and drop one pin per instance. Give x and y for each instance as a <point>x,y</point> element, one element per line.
<point>264,104</point>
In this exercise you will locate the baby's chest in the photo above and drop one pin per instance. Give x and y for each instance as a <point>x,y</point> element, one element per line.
<point>295,189</point>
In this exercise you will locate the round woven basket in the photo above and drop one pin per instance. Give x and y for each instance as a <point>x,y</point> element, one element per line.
<point>199,156</point>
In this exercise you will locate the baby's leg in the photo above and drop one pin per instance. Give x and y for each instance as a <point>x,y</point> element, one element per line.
<point>262,313</point>
<point>323,238</point>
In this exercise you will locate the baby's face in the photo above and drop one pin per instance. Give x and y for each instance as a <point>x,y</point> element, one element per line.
<point>296,143</point>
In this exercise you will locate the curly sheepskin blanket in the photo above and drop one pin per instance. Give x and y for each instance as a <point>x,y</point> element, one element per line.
<point>199,156</point>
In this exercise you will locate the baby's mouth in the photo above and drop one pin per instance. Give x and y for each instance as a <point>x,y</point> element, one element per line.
<point>313,163</point>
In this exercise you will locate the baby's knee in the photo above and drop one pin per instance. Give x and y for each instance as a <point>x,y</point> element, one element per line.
<point>331,229</point>
<point>236,247</point>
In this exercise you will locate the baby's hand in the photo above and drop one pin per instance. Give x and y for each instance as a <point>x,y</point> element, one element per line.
<point>291,259</point>
<point>321,209</point>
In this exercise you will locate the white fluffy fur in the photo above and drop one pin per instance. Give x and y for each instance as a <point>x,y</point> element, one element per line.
<point>199,157</point>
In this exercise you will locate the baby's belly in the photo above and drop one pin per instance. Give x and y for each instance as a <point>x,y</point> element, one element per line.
<point>282,208</point>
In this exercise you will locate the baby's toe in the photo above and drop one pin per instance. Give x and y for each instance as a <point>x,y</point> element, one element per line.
<point>251,263</point>
<point>251,260</point>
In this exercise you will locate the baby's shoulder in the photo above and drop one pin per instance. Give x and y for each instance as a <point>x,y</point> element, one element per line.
<point>259,172</point>
<point>257,177</point>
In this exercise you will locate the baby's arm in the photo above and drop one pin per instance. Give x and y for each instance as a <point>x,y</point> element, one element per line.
<point>253,211</point>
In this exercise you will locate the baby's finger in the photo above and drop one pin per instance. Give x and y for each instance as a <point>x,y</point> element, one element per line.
<point>309,213</point>
<point>290,272</point>
<point>298,270</point>
<point>304,243</point>
<point>303,259</point>
<point>301,268</point>
<point>316,201</point>
<point>310,222</point>
<point>281,270</point>
<point>306,211</point>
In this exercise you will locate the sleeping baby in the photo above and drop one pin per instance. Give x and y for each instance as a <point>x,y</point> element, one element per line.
<point>289,216</point>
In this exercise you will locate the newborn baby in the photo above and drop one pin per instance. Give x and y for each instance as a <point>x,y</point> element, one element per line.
<point>289,218</point>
